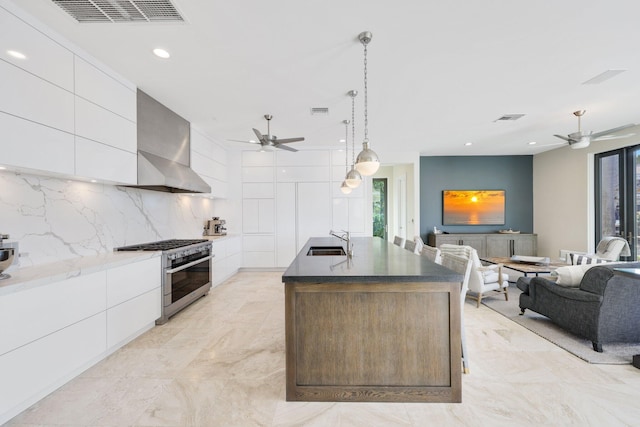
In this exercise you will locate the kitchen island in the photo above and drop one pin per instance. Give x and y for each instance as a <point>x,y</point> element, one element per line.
<point>383,326</point>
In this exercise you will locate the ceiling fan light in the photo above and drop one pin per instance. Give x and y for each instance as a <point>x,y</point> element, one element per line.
<point>345,188</point>
<point>353,178</point>
<point>367,162</point>
<point>581,143</point>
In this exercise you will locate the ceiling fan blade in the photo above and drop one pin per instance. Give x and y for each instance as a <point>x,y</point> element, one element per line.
<point>288,140</point>
<point>562,137</point>
<point>610,131</point>
<point>284,147</point>
<point>259,135</point>
<point>248,142</point>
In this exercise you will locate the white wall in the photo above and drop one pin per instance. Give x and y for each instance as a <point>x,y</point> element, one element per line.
<point>563,196</point>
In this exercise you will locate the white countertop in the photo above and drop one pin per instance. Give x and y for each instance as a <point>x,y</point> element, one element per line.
<point>33,276</point>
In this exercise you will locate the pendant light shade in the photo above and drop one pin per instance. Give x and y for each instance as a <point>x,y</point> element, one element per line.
<point>345,188</point>
<point>367,162</point>
<point>353,178</point>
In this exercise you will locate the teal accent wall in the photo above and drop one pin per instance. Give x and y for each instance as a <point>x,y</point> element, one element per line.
<point>514,174</point>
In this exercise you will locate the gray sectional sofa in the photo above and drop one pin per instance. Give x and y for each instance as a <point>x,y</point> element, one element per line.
<point>604,308</point>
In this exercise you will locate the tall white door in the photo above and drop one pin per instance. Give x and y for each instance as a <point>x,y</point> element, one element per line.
<point>400,195</point>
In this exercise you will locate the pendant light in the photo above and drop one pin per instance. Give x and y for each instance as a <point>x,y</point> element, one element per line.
<point>344,187</point>
<point>353,178</point>
<point>367,162</point>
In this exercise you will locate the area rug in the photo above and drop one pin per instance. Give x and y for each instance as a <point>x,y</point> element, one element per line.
<point>613,354</point>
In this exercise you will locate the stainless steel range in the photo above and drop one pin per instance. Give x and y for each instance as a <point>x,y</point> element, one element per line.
<point>186,268</point>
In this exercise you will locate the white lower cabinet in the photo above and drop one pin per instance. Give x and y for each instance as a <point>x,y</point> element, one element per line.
<point>32,371</point>
<point>132,316</point>
<point>53,332</point>
<point>228,258</point>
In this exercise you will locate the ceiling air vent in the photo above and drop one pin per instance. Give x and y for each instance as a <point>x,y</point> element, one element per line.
<point>319,111</point>
<point>120,10</point>
<point>509,117</point>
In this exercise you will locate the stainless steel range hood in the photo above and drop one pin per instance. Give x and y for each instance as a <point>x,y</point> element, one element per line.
<point>164,140</point>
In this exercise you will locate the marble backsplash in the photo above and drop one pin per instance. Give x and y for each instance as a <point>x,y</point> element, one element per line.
<point>53,219</point>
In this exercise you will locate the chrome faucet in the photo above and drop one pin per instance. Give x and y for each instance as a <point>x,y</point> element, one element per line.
<point>346,237</point>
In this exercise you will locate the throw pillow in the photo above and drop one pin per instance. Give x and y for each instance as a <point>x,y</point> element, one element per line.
<point>581,259</point>
<point>570,276</point>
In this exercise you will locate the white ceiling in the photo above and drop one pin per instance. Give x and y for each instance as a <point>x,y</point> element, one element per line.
<point>440,73</point>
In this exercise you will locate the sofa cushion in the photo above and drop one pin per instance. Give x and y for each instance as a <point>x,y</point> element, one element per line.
<point>581,259</point>
<point>571,275</point>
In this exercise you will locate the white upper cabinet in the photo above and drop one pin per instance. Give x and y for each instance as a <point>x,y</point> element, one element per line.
<point>62,113</point>
<point>44,57</point>
<point>28,96</point>
<point>209,160</point>
<point>257,158</point>
<point>98,87</point>
<point>99,124</point>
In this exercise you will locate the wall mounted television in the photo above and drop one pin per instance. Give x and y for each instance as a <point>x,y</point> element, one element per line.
<point>473,207</point>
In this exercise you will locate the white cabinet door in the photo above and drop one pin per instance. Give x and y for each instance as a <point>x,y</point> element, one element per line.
<point>98,87</point>
<point>258,215</point>
<point>314,210</point>
<point>27,144</point>
<point>96,160</point>
<point>101,125</point>
<point>44,57</point>
<point>30,97</point>
<point>40,311</point>
<point>286,248</point>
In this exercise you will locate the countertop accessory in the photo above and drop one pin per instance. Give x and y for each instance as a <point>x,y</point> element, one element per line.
<point>6,258</point>
<point>509,231</point>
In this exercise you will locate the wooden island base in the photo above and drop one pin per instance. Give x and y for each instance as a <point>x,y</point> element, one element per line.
<point>373,342</point>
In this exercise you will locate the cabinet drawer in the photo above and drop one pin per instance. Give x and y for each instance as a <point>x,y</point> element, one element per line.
<point>27,144</point>
<point>43,365</point>
<point>129,281</point>
<point>130,317</point>
<point>31,314</point>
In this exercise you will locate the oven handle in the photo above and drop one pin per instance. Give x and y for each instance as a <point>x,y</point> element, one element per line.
<point>191,264</point>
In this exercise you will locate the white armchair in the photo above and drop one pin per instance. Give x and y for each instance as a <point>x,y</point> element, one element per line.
<point>483,279</point>
<point>610,248</point>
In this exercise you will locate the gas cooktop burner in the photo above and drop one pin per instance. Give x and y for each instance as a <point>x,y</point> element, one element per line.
<point>163,245</point>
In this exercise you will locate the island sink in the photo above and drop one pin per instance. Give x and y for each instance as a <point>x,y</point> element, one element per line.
<point>326,251</point>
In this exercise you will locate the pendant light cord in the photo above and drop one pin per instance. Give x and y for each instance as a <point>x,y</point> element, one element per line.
<point>353,128</point>
<point>346,146</point>
<point>366,119</point>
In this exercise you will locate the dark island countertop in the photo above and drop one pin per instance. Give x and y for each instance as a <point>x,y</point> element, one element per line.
<point>374,260</point>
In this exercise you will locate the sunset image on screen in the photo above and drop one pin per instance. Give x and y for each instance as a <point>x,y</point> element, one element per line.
<point>476,207</point>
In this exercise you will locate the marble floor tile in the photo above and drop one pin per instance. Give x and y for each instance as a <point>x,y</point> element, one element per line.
<point>221,362</point>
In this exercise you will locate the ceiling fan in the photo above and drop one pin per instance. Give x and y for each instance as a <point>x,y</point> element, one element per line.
<point>269,140</point>
<point>582,139</point>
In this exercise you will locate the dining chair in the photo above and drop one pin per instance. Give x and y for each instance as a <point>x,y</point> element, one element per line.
<point>432,254</point>
<point>461,265</point>
<point>410,245</point>
<point>398,241</point>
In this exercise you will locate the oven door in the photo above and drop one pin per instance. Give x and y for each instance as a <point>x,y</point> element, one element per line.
<point>186,276</point>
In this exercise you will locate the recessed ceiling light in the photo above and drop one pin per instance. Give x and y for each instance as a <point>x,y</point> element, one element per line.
<point>16,54</point>
<point>94,181</point>
<point>2,168</point>
<point>468,143</point>
<point>161,53</point>
<point>532,143</point>
<point>343,140</point>
<point>253,141</point>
